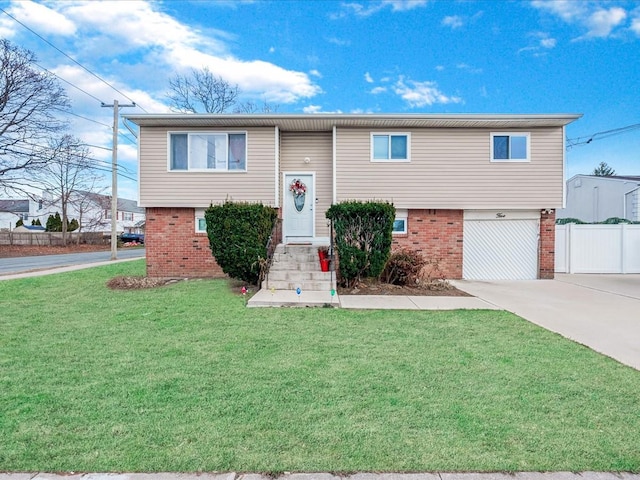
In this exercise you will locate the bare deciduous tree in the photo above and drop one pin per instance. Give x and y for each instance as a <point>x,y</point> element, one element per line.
<point>30,102</point>
<point>203,92</point>
<point>68,171</point>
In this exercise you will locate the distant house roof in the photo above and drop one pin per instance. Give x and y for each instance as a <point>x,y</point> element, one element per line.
<point>30,228</point>
<point>124,205</point>
<point>14,206</point>
<point>623,178</point>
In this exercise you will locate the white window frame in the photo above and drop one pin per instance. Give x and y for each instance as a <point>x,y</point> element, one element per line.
<point>402,215</point>
<point>390,134</point>
<point>199,215</point>
<point>527,135</point>
<point>127,216</point>
<point>191,133</point>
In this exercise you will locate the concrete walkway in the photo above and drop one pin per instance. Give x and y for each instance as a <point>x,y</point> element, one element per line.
<point>68,268</point>
<point>325,476</point>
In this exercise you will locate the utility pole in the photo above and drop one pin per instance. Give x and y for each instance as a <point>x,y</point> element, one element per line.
<point>114,178</point>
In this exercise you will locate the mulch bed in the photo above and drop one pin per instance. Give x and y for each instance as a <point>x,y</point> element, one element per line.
<point>374,287</point>
<point>10,251</point>
<point>137,283</point>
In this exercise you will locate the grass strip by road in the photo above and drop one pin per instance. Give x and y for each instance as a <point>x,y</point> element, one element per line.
<point>185,378</point>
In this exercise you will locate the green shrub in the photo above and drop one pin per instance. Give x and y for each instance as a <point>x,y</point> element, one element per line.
<point>238,235</point>
<point>404,267</point>
<point>564,221</point>
<point>363,237</point>
<point>615,221</point>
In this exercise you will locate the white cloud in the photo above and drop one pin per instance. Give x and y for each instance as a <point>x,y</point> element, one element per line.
<point>548,42</point>
<point>272,49</point>
<point>337,41</point>
<point>635,26</point>
<point>377,90</point>
<point>368,78</point>
<point>162,45</point>
<point>420,94</point>
<point>598,22</point>
<point>468,68</point>
<point>312,109</point>
<point>602,21</point>
<point>367,9</point>
<point>453,21</point>
<point>42,19</point>
<point>439,68</point>
<point>315,73</point>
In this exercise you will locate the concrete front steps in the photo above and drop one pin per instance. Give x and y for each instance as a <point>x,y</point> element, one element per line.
<point>293,267</point>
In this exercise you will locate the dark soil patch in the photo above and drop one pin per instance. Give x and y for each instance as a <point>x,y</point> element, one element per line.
<point>438,288</point>
<point>10,251</point>
<point>137,283</point>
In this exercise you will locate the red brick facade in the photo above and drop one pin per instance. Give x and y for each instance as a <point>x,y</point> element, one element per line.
<point>547,251</point>
<point>437,235</point>
<point>174,249</point>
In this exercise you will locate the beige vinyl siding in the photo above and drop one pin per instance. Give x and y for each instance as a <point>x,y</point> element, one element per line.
<point>162,188</point>
<point>451,168</point>
<point>294,148</point>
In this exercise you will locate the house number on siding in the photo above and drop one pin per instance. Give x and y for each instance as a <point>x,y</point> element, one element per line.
<point>500,215</point>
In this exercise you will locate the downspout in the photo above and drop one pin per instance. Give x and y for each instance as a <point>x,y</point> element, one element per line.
<point>277,167</point>
<point>335,190</point>
<point>624,203</point>
<point>564,170</point>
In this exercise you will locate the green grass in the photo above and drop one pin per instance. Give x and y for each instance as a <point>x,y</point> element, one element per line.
<point>185,378</point>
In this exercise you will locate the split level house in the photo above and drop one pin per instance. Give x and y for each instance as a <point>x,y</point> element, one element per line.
<point>476,193</point>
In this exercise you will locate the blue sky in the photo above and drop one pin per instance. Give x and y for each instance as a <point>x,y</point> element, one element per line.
<point>387,56</point>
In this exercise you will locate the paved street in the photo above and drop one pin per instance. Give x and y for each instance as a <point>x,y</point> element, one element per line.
<point>26,264</point>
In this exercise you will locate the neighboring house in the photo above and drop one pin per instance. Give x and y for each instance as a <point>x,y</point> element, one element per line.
<point>29,229</point>
<point>18,209</point>
<point>477,193</point>
<point>93,211</point>
<point>592,198</point>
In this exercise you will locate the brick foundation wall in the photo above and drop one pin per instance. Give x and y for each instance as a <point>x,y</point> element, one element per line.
<point>547,252</point>
<point>437,235</point>
<point>174,249</point>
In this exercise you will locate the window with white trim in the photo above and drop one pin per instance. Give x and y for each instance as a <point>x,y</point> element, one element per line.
<point>510,147</point>
<point>201,223</point>
<point>127,216</point>
<point>208,151</point>
<point>390,147</point>
<point>400,222</point>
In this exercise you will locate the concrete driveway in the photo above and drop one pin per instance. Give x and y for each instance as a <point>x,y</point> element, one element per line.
<point>599,311</point>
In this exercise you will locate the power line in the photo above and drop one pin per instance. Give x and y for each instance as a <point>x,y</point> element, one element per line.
<point>67,82</point>
<point>584,140</point>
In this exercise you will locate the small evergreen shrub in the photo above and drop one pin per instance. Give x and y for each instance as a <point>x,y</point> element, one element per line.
<point>404,267</point>
<point>615,221</point>
<point>564,221</point>
<point>363,233</point>
<point>238,235</point>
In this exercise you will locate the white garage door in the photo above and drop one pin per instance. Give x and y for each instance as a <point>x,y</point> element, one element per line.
<point>500,245</point>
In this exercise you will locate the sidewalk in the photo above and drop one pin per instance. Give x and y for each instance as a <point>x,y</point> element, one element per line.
<point>69,268</point>
<point>289,298</point>
<point>325,476</point>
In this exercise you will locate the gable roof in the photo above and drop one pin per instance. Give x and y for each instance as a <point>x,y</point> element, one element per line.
<point>326,121</point>
<point>124,204</point>
<point>14,206</point>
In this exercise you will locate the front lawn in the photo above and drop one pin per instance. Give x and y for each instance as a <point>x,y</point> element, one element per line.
<point>185,378</point>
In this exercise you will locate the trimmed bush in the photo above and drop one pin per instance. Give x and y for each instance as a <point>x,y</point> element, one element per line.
<point>564,221</point>
<point>238,235</point>
<point>363,237</point>
<point>404,267</point>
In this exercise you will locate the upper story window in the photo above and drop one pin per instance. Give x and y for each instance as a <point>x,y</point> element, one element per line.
<point>390,147</point>
<point>510,147</point>
<point>208,151</point>
<point>127,216</point>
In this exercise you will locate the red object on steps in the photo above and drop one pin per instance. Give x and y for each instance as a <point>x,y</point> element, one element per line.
<point>324,264</point>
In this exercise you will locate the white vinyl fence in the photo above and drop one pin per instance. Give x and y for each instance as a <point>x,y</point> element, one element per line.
<point>597,248</point>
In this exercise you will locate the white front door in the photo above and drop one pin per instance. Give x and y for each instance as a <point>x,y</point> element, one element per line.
<point>298,204</point>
